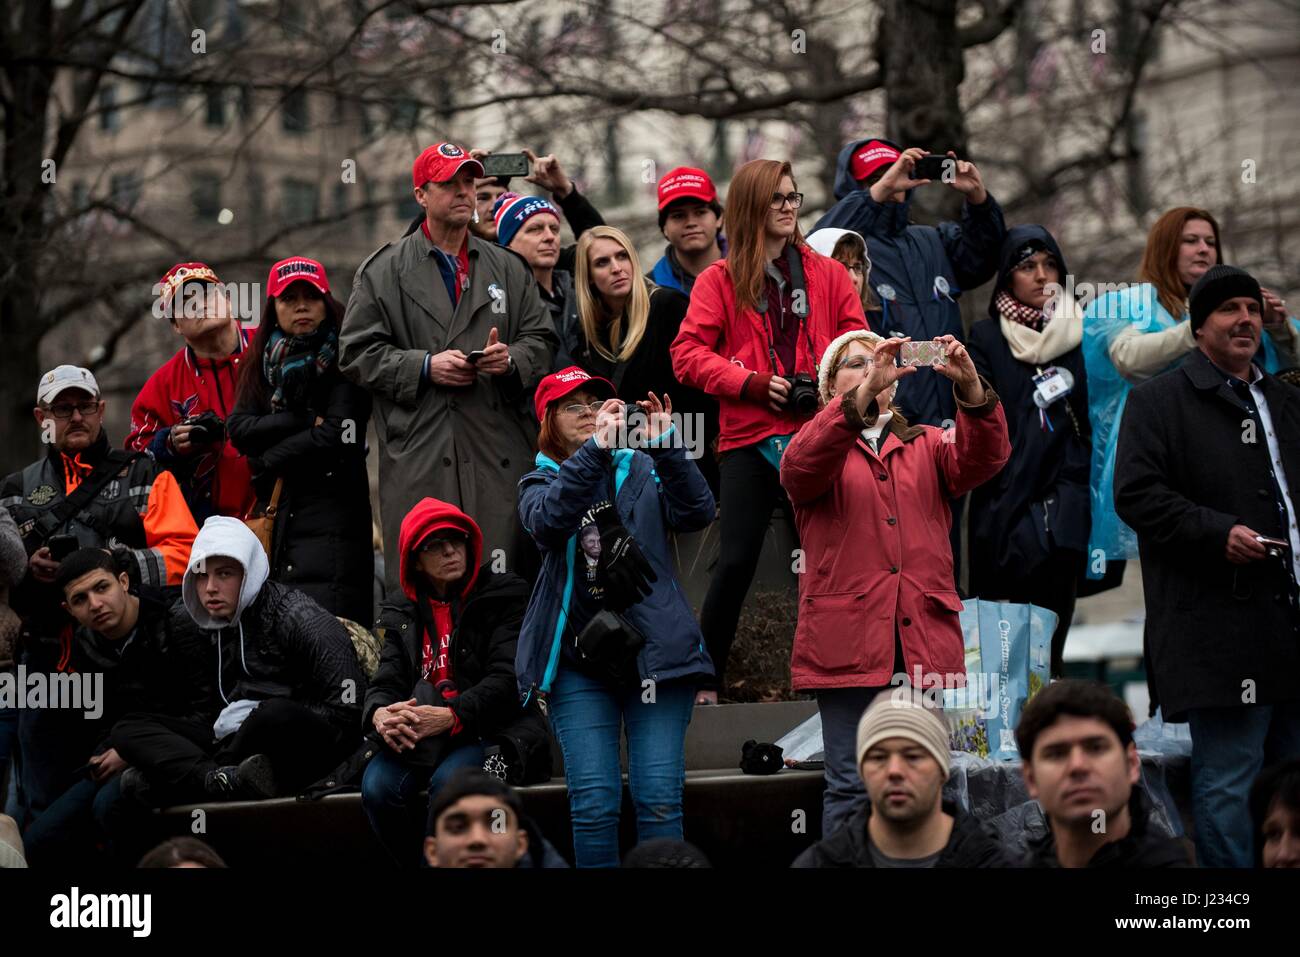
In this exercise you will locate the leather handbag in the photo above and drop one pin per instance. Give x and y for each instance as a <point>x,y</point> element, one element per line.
<point>263,526</point>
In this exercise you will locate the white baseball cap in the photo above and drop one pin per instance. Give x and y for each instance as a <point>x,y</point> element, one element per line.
<point>65,377</point>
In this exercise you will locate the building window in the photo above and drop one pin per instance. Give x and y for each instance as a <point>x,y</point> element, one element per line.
<point>80,195</point>
<point>110,117</point>
<point>293,112</point>
<point>216,115</point>
<point>405,115</point>
<point>407,207</point>
<point>124,190</point>
<point>298,201</point>
<point>205,194</point>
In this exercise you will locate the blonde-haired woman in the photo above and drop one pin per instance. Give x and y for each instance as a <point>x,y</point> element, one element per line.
<point>626,326</point>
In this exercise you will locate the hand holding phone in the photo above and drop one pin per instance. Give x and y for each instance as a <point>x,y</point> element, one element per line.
<point>476,355</point>
<point>932,167</point>
<point>927,352</point>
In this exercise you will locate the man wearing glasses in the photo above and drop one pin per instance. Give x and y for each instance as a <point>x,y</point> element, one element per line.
<point>81,493</point>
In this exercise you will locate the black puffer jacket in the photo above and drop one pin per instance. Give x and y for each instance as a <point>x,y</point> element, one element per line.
<point>1145,847</point>
<point>162,668</point>
<point>482,650</point>
<point>287,646</point>
<point>969,845</point>
<point>323,542</point>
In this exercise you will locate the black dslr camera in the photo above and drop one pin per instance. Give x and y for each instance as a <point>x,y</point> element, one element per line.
<point>208,428</point>
<point>803,394</point>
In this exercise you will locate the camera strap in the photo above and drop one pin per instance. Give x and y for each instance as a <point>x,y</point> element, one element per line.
<point>50,522</point>
<point>799,305</point>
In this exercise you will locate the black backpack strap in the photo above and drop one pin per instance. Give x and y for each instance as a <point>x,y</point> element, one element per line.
<point>91,485</point>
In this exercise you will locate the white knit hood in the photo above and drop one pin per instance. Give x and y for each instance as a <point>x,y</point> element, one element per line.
<point>826,371</point>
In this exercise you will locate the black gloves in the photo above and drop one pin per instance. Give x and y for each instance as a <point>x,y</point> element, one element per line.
<point>622,571</point>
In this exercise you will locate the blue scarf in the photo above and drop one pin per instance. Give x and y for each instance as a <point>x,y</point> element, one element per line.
<point>291,363</point>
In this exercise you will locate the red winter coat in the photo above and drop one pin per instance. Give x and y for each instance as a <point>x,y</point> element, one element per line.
<point>718,351</point>
<point>874,531</point>
<point>215,482</point>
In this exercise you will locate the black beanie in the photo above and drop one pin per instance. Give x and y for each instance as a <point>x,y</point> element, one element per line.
<point>1217,286</point>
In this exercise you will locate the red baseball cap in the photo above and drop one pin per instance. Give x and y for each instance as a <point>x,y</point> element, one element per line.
<point>440,163</point>
<point>870,156</point>
<point>288,271</point>
<point>686,182</point>
<point>182,273</point>
<point>559,384</point>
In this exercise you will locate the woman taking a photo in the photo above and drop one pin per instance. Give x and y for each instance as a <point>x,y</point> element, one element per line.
<point>609,641</point>
<point>870,495</point>
<point>626,327</point>
<point>1136,333</point>
<point>303,427</point>
<point>757,322</point>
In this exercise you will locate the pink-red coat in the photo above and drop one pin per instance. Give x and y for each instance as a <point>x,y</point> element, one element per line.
<point>874,532</point>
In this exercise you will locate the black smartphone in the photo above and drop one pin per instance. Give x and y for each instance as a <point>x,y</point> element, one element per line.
<point>505,164</point>
<point>476,355</point>
<point>933,166</point>
<point>61,546</point>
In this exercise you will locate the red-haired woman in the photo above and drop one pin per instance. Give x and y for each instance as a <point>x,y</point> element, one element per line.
<point>757,324</point>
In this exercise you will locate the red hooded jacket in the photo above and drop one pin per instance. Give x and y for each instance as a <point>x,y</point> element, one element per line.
<point>428,516</point>
<point>719,351</point>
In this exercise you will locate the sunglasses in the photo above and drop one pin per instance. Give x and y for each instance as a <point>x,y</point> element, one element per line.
<point>437,543</point>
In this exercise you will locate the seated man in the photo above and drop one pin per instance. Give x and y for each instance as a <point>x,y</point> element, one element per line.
<point>477,820</point>
<point>1080,763</point>
<point>81,492</point>
<point>445,690</point>
<point>152,661</point>
<point>903,759</point>
<point>287,674</point>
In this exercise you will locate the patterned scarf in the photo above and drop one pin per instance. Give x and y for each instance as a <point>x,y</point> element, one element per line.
<point>1017,311</point>
<point>291,363</point>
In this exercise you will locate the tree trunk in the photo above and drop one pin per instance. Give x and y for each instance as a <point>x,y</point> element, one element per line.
<point>923,70</point>
<point>22,227</point>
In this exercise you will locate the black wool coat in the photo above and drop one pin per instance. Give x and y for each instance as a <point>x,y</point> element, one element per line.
<point>1192,462</point>
<point>323,543</point>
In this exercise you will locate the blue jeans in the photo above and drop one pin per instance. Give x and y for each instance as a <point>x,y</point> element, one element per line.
<point>1230,746</point>
<point>587,717</point>
<point>841,709</point>
<point>389,789</point>
<point>74,828</point>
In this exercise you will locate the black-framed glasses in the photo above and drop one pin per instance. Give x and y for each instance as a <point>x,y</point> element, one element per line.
<point>578,409</point>
<point>780,199</point>
<point>64,410</point>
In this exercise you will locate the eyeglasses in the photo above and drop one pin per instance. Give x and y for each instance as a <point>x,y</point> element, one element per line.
<point>577,409</point>
<point>856,267</point>
<point>794,199</point>
<point>439,542</point>
<point>64,410</point>
<point>857,363</point>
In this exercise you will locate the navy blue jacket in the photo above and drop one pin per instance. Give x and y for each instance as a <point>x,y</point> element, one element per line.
<point>658,491</point>
<point>1039,501</point>
<point>907,259</point>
